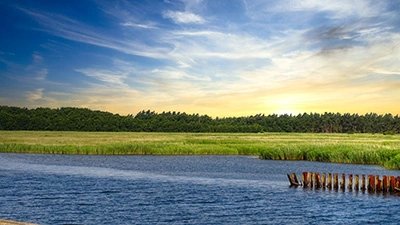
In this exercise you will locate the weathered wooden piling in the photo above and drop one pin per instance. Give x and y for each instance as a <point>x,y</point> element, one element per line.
<point>392,183</point>
<point>378,184</point>
<point>357,182</point>
<point>385,183</point>
<point>371,183</point>
<point>350,185</point>
<point>363,186</point>
<point>293,180</point>
<point>388,184</point>
<point>317,180</point>
<point>343,182</point>
<point>304,177</point>
<point>397,183</point>
<point>335,181</point>
<point>329,185</point>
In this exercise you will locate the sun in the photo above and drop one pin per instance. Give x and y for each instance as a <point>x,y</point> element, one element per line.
<point>287,105</point>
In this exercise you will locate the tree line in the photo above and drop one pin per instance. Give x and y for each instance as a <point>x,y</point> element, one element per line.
<point>83,119</point>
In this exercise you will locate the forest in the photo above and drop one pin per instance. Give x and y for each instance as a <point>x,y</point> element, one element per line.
<point>83,119</point>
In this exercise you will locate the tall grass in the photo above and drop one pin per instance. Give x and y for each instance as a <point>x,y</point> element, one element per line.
<point>354,153</point>
<point>376,149</point>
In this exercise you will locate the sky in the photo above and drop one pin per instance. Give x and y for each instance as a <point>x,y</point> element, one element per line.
<point>216,57</point>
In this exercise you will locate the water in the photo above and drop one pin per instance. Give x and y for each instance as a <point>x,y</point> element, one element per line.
<point>77,189</point>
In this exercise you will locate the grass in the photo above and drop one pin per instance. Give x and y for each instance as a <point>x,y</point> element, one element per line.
<point>376,149</point>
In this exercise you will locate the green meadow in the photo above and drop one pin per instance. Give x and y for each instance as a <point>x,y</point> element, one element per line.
<point>375,149</point>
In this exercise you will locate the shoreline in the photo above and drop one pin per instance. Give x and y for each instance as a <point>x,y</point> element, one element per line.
<point>11,222</point>
<point>374,149</point>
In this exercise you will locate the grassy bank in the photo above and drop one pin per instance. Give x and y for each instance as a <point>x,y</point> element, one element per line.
<point>342,148</point>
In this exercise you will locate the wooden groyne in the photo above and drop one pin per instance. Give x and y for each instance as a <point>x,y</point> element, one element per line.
<point>335,181</point>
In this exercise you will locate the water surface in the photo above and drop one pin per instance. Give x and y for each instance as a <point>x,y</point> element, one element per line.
<point>80,189</point>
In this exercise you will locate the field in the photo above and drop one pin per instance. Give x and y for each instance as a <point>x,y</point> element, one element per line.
<point>376,149</point>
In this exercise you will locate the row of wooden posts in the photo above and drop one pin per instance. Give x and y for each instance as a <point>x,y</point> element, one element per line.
<point>371,183</point>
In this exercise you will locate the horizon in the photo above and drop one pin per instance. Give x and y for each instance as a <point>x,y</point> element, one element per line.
<point>213,117</point>
<point>216,58</point>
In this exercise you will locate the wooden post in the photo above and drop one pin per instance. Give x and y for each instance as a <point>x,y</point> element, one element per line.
<point>392,184</point>
<point>350,186</point>
<point>363,182</point>
<point>371,183</point>
<point>324,180</point>
<point>329,186</point>
<point>343,182</point>
<point>357,182</point>
<point>305,179</point>
<point>290,179</point>
<point>335,181</point>
<point>397,184</point>
<point>378,184</point>
<point>385,183</point>
<point>295,178</point>
<point>317,181</point>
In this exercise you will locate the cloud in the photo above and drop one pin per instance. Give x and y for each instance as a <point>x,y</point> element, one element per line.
<point>183,17</point>
<point>41,74</point>
<point>37,58</point>
<point>70,29</point>
<point>327,33</point>
<point>204,48</point>
<point>35,95</point>
<point>106,76</point>
<point>337,9</point>
<point>36,70</point>
<point>137,25</point>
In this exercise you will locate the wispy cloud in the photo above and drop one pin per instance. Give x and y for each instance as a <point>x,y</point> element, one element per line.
<point>70,29</point>
<point>41,74</point>
<point>137,25</point>
<point>337,10</point>
<point>36,69</point>
<point>37,58</point>
<point>106,76</point>
<point>183,17</point>
<point>35,95</point>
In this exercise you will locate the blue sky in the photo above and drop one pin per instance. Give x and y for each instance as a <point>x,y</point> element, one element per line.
<point>216,57</point>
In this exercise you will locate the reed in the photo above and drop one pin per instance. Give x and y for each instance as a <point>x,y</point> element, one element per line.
<point>353,153</point>
<point>376,149</point>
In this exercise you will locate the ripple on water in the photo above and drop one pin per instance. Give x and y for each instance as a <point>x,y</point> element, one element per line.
<point>179,190</point>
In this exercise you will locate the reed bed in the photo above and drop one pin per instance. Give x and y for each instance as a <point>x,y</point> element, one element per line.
<point>375,149</point>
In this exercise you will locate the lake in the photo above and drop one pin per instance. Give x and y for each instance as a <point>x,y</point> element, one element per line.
<point>81,189</point>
